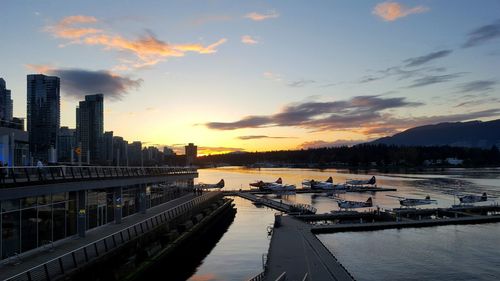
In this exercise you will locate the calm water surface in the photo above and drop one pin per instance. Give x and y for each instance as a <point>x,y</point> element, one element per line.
<point>439,253</point>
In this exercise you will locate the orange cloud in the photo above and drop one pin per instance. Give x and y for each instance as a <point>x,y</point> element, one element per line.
<point>65,28</point>
<point>391,11</point>
<point>260,17</point>
<point>148,49</point>
<point>247,39</point>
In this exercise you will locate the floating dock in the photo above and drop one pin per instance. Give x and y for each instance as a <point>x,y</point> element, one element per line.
<point>280,206</point>
<point>295,253</point>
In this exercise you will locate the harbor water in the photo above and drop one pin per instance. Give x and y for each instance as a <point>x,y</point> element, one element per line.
<point>462,252</point>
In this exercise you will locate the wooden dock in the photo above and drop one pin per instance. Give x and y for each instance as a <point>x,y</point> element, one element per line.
<point>297,254</point>
<point>404,223</point>
<point>280,206</point>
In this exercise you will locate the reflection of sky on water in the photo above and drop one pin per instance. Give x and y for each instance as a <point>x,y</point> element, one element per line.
<point>408,254</point>
<point>238,255</point>
<point>452,252</point>
<point>440,185</point>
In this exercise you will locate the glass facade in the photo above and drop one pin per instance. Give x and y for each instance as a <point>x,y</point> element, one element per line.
<point>32,222</point>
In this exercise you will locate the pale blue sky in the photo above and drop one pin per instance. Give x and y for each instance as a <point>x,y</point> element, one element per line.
<point>306,51</point>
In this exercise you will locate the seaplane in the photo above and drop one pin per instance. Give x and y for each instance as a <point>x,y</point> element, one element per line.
<point>411,202</point>
<point>469,199</point>
<point>372,181</point>
<point>219,185</point>
<point>323,185</point>
<point>263,185</point>
<point>344,204</point>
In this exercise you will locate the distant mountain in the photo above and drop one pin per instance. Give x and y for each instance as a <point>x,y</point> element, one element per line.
<point>467,134</point>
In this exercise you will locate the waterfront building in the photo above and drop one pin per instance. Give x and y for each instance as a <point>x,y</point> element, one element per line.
<point>90,127</point>
<point>35,217</point>
<point>120,151</point>
<point>43,112</point>
<point>107,146</point>
<point>167,151</point>
<point>135,154</point>
<point>67,145</point>
<point>14,147</point>
<point>5,103</point>
<point>191,151</point>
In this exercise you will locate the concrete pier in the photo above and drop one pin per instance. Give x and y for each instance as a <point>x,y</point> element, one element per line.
<point>296,253</point>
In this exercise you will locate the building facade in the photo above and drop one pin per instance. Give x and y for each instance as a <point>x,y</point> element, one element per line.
<point>67,145</point>
<point>90,128</point>
<point>120,151</point>
<point>135,154</point>
<point>191,153</point>
<point>43,112</point>
<point>5,104</point>
<point>107,146</point>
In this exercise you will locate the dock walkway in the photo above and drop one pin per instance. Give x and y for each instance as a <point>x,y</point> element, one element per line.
<point>280,206</point>
<point>295,251</point>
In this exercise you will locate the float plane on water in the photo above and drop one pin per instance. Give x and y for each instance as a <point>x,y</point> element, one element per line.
<point>323,185</point>
<point>371,181</point>
<point>410,202</point>
<point>343,204</point>
<point>219,185</point>
<point>262,185</point>
<point>468,199</point>
<point>276,186</point>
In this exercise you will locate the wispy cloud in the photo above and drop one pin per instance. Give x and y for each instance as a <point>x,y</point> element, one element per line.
<point>260,17</point>
<point>369,115</point>
<point>417,61</point>
<point>483,34</point>
<point>209,19</point>
<point>352,113</point>
<point>391,11</point>
<point>77,83</point>
<point>434,79</point>
<point>249,40</point>
<point>148,48</point>
<point>478,86</point>
<point>273,76</point>
<point>254,137</point>
<point>300,83</point>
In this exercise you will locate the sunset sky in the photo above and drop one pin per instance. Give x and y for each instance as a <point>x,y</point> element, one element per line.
<point>259,75</point>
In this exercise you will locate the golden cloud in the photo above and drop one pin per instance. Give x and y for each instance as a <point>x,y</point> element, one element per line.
<point>247,39</point>
<point>260,17</point>
<point>391,11</point>
<point>149,49</point>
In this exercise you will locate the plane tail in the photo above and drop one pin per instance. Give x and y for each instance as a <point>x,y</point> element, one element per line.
<point>279,181</point>
<point>373,180</point>
<point>484,197</point>
<point>221,183</point>
<point>330,180</point>
<point>369,202</point>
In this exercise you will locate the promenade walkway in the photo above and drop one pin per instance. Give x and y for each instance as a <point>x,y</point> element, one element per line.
<point>296,253</point>
<point>55,261</point>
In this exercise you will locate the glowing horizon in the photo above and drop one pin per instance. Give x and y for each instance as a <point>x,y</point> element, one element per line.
<point>260,76</point>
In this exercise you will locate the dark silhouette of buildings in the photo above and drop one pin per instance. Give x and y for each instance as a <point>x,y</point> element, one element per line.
<point>43,110</point>
<point>5,103</point>
<point>90,128</point>
<point>135,154</point>
<point>107,148</point>
<point>191,153</point>
<point>67,144</point>
<point>120,151</point>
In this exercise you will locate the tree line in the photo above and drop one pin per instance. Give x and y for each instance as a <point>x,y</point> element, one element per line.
<point>363,155</point>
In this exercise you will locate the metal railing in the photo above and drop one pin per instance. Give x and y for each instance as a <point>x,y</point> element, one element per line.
<point>62,264</point>
<point>12,176</point>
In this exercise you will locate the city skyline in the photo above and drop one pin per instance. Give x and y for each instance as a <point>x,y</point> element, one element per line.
<point>260,75</point>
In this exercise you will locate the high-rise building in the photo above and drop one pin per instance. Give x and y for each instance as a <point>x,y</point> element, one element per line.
<point>107,146</point>
<point>90,127</point>
<point>43,110</point>
<point>191,153</point>
<point>135,154</point>
<point>120,151</point>
<point>67,145</point>
<point>5,104</point>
